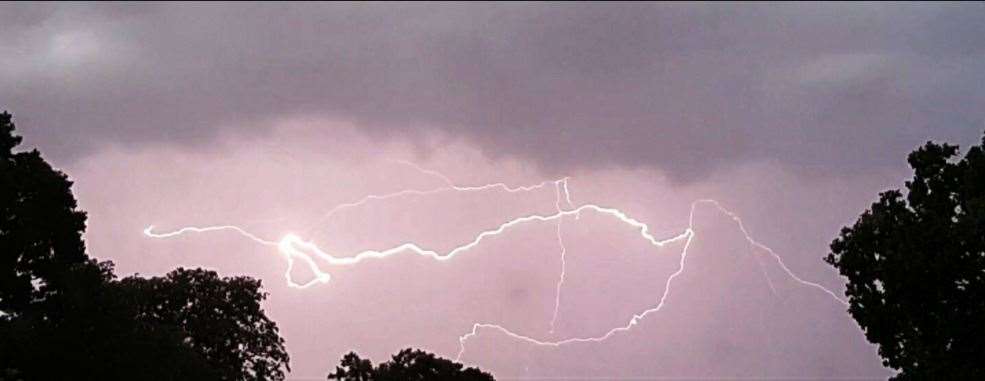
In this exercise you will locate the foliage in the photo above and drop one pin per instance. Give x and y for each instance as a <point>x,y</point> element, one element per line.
<point>40,228</point>
<point>64,316</point>
<point>220,317</point>
<point>407,365</point>
<point>916,267</point>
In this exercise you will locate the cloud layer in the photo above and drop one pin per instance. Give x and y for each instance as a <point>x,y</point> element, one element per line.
<point>683,88</point>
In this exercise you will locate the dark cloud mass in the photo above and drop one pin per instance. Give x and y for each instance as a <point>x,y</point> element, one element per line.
<point>683,88</point>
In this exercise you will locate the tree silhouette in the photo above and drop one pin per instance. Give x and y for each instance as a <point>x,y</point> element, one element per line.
<point>406,365</point>
<point>916,267</point>
<point>353,368</point>
<point>64,316</point>
<point>98,337</point>
<point>40,229</point>
<point>219,317</point>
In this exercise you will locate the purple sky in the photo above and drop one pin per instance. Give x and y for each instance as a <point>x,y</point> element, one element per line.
<point>265,116</point>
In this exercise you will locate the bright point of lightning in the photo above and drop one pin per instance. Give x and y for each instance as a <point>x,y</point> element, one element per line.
<point>296,250</point>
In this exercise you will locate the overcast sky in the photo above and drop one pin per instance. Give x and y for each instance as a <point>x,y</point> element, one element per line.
<point>793,115</point>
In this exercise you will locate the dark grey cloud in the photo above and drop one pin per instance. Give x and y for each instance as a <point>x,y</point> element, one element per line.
<point>684,88</point>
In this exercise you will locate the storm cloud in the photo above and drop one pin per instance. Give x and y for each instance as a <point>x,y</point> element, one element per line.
<point>686,89</point>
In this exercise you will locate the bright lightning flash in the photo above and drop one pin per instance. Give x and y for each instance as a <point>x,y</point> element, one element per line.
<point>294,249</point>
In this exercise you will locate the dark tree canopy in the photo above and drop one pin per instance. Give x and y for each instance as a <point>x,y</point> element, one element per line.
<point>220,317</point>
<point>915,264</point>
<point>407,365</point>
<point>64,316</point>
<point>97,337</point>
<point>40,227</point>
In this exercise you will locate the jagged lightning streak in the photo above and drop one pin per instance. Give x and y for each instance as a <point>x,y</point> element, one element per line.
<point>291,254</point>
<point>448,187</point>
<point>320,276</point>
<point>294,248</point>
<point>149,231</point>
<point>560,186</point>
<point>688,235</point>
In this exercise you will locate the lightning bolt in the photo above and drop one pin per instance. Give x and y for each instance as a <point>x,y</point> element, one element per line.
<point>294,249</point>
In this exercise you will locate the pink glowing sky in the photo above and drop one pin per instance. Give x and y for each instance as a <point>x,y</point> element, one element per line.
<point>721,318</point>
<point>793,116</point>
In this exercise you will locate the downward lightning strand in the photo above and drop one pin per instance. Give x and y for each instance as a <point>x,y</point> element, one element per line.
<point>558,187</point>
<point>753,242</point>
<point>766,275</point>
